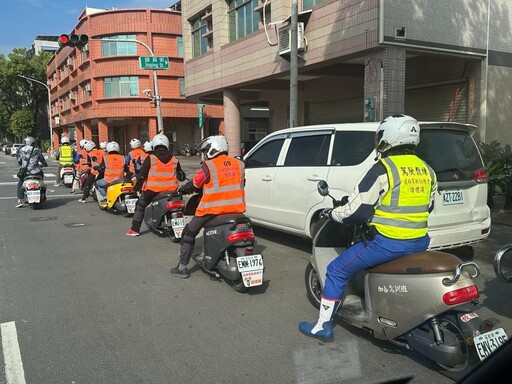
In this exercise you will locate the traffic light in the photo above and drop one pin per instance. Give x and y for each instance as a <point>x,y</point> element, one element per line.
<point>73,40</point>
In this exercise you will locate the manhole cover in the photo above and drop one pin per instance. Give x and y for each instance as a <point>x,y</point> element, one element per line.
<point>44,218</point>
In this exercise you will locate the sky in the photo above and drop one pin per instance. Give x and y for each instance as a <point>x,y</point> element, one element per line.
<point>22,20</point>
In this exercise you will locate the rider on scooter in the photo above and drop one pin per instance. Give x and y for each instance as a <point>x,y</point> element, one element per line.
<point>111,167</point>
<point>29,157</point>
<point>222,179</point>
<point>94,158</point>
<point>135,157</point>
<point>160,172</point>
<point>394,198</point>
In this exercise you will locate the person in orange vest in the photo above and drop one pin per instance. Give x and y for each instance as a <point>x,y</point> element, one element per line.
<point>160,172</point>
<point>135,157</point>
<point>222,180</point>
<point>111,168</point>
<point>80,165</point>
<point>94,157</point>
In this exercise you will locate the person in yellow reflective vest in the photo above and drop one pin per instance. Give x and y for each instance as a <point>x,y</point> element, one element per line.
<point>65,156</point>
<point>222,180</point>
<point>394,198</point>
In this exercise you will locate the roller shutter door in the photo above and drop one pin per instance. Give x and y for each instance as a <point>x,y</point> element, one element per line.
<point>337,111</point>
<point>434,103</point>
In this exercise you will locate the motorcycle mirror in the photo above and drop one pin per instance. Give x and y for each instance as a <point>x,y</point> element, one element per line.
<point>503,263</point>
<point>46,157</point>
<point>323,188</point>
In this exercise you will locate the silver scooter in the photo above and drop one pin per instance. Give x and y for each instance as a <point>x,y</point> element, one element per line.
<point>426,302</point>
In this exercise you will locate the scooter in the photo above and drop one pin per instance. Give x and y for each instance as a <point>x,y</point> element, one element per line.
<point>165,215</point>
<point>503,263</point>
<point>67,174</point>
<point>120,198</point>
<point>426,302</point>
<point>34,190</point>
<point>228,249</point>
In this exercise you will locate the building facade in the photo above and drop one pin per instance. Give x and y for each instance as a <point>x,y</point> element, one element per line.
<point>357,60</point>
<point>100,92</point>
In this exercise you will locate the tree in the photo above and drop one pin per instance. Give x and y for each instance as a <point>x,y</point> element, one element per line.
<point>22,123</point>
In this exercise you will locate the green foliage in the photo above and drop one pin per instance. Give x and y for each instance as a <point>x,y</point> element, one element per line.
<point>22,123</point>
<point>498,161</point>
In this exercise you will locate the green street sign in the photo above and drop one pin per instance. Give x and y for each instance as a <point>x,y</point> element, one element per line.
<point>154,62</point>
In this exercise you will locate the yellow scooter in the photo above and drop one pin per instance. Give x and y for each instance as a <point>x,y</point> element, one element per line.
<point>120,198</point>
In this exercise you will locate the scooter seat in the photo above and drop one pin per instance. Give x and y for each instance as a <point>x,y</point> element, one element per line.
<point>419,263</point>
<point>164,195</point>
<point>118,181</point>
<point>228,218</point>
<point>33,177</point>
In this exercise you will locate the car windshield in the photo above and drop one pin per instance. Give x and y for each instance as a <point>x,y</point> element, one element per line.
<point>452,154</point>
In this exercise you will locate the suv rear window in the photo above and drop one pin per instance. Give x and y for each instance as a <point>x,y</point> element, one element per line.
<point>452,154</point>
<point>352,147</point>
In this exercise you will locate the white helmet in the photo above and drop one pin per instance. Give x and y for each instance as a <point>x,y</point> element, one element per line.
<point>112,147</point>
<point>396,131</point>
<point>82,142</point>
<point>135,143</point>
<point>29,140</point>
<point>64,140</point>
<point>213,146</point>
<point>160,140</point>
<point>148,147</point>
<point>89,146</point>
<point>103,145</point>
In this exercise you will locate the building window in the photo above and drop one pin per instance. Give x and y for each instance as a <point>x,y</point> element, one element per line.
<point>242,18</point>
<point>308,4</point>
<point>179,41</point>
<point>124,86</point>
<point>114,48</point>
<point>199,39</point>
<point>182,87</point>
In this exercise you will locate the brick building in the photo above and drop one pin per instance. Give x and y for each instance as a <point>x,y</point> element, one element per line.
<point>99,92</point>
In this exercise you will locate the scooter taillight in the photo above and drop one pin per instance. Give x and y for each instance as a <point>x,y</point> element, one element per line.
<point>32,186</point>
<point>67,169</point>
<point>174,205</point>
<point>240,236</point>
<point>461,295</point>
<point>126,189</point>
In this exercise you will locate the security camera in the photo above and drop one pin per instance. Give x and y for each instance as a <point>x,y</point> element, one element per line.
<point>147,92</point>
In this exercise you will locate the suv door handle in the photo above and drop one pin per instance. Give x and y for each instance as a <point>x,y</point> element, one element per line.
<point>266,178</point>
<point>314,178</point>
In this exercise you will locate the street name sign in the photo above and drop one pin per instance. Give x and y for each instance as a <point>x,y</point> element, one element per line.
<point>154,62</point>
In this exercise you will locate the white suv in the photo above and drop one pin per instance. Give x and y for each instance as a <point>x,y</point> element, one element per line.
<point>283,169</point>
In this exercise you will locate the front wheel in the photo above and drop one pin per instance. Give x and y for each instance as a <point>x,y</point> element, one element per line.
<point>313,286</point>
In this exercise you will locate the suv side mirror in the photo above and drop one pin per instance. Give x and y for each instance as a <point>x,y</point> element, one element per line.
<point>503,263</point>
<point>322,188</point>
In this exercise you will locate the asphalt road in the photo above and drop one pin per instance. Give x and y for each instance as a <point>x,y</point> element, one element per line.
<point>80,302</point>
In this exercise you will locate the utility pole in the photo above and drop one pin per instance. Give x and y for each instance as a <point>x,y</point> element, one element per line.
<point>293,65</point>
<point>49,106</point>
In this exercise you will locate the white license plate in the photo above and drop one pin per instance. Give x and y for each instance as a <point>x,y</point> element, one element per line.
<point>68,179</point>
<point>451,197</point>
<point>34,196</point>
<point>249,263</point>
<point>177,226</point>
<point>488,342</point>
<point>252,278</point>
<point>130,205</point>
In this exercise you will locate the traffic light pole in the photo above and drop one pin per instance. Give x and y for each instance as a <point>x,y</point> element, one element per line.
<point>158,103</point>
<point>49,106</point>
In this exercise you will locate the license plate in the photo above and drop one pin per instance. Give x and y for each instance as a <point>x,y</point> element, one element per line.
<point>177,225</point>
<point>130,205</point>
<point>34,196</point>
<point>249,263</point>
<point>252,278</point>
<point>452,197</point>
<point>488,342</point>
<point>68,179</point>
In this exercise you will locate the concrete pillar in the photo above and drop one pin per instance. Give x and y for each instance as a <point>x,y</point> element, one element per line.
<point>78,132</point>
<point>102,130</point>
<point>87,130</point>
<point>394,80</point>
<point>232,126</point>
<point>152,127</point>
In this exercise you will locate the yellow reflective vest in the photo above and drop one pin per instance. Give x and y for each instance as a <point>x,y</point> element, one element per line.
<point>65,155</point>
<point>403,212</point>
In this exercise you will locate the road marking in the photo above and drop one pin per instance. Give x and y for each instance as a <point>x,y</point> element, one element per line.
<point>45,175</point>
<point>48,196</point>
<point>14,372</point>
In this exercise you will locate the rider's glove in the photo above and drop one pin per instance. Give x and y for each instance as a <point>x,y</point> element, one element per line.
<point>341,203</point>
<point>326,213</point>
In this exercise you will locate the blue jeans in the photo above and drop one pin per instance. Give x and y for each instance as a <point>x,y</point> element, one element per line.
<point>101,187</point>
<point>358,257</point>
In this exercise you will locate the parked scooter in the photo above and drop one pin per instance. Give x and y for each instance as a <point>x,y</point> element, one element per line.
<point>165,215</point>
<point>426,302</point>
<point>120,198</point>
<point>228,249</point>
<point>34,190</point>
<point>67,175</point>
<point>503,263</point>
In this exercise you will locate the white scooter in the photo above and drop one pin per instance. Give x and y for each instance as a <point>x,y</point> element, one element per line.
<point>426,302</point>
<point>34,190</point>
<point>67,175</point>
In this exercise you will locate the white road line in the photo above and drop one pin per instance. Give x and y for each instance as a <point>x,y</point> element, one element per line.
<point>45,175</point>
<point>14,372</point>
<point>75,196</point>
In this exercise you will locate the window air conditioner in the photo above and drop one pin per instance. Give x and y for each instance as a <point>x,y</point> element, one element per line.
<point>285,39</point>
<point>85,48</point>
<point>71,96</point>
<point>69,62</point>
<point>87,87</point>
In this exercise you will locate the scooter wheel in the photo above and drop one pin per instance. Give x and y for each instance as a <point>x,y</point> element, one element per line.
<point>173,238</point>
<point>313,286</point>
<point>127,214</point>
<point>238,285</point>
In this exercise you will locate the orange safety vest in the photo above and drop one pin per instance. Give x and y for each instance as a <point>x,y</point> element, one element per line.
<point>135,154</point>
<point>161,176</point>
<point>114,167</point>
<point>98,154</point>
<point>224,192</point>
<point>82,162</point>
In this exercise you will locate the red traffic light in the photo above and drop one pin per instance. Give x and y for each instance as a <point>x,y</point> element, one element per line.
<point>73,40</point>
<point>63,40</point>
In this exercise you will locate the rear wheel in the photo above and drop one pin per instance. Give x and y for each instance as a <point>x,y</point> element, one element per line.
<point>313,286</point>
<point>238,285</point>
